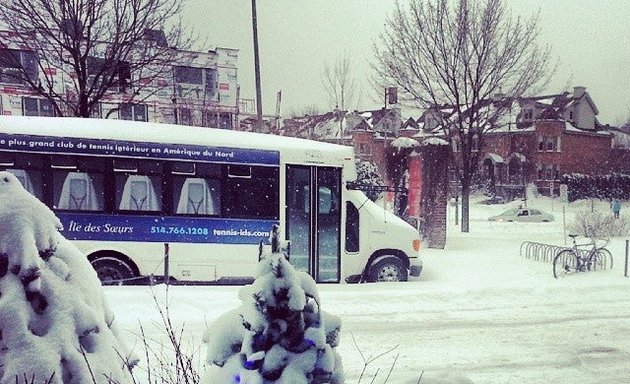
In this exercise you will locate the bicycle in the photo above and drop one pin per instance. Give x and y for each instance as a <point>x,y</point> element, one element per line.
<point>575,259</point>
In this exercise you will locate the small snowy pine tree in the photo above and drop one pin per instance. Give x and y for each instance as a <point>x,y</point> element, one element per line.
<point>369,176</point>
<point>279,335</point>
<point>55,327</point>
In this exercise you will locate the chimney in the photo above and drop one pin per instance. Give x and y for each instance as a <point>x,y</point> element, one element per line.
<point>578,92</point>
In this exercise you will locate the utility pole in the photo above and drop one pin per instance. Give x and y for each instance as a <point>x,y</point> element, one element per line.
<point>259,112</point>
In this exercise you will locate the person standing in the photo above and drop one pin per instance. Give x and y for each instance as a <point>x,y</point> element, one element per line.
<point>616,207</point>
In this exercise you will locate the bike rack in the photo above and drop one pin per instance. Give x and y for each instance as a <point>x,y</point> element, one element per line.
<point>543,252</point>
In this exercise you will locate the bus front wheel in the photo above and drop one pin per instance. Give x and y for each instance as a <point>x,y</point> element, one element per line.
<point>112,271</point>
<point>388,269</point>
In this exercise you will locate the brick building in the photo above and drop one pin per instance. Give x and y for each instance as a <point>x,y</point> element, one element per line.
<point>541,154</point>
<point>539,139</point>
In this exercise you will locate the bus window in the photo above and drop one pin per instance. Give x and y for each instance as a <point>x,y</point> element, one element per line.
<point>327,200</point>
<point>28,170</point>
<point>196,188</point>
<point>196,195</point>
<point>138,185</point>
<point>352,228</point>
<point>78,192</point>
<point>138,193</point>
<point>254,196</point>
<point>77,183</point>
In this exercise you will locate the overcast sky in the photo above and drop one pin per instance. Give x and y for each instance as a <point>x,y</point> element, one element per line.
<point>298,37</point>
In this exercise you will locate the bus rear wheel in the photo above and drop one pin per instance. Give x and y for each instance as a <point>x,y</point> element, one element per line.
<point>388,269</point>
<point>112,271</point>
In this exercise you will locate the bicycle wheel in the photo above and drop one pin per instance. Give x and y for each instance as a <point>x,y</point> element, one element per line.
<point>565,263</point>
<point>601,260</point>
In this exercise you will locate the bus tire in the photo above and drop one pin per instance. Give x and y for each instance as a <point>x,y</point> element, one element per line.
<point>112,270</point>
<point>389,269</point>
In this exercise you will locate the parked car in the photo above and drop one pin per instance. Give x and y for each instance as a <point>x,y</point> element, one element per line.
<point>528,215</point>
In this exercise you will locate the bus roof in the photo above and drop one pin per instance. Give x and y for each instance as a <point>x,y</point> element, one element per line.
<point>293,150</point>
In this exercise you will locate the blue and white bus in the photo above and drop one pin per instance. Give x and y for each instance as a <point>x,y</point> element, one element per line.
<point>123,190</point>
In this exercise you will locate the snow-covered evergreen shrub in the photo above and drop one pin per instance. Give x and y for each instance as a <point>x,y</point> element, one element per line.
<point>279,334</point>
<point>368,176</point>
<point>598,224</point>
<point>55,326</point>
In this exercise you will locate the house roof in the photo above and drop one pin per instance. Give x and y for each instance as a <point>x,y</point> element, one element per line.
<point>620,138</point>
<point>339,124</point>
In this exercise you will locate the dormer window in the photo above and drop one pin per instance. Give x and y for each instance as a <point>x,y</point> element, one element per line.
<point>528,114</point>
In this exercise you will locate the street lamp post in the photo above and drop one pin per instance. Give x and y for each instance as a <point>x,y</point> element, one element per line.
<point>259,114</point>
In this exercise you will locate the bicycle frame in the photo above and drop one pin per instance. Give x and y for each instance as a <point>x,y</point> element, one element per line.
<point>578,259</point>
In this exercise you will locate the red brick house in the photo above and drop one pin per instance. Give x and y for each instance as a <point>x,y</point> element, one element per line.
<point>539,139</point>
<point>541,154</point>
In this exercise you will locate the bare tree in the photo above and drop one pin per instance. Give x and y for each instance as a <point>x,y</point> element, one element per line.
<point>82,50</point>
<point>461,54</point>
<point>338,82</point>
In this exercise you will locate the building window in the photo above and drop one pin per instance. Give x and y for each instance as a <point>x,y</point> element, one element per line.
<point>225,121</point>
<point>136,112</point>
<point>210,119</point>
<point>37,107</point>
<point>364,149</point>
<point>97,111</point>
<point>550,144</point>
<point>528,114</point>
<point>185,116</point>
<point>455,144</point>
<point>474,145</point>
<point>548,172</point>
<point>15,64</point>
<point>195,83</point>
<point>101,73</point>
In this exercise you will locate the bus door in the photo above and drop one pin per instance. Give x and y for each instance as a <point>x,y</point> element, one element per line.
<point>314,220</point>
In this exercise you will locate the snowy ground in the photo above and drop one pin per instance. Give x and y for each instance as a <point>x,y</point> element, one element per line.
<point>480,312</point>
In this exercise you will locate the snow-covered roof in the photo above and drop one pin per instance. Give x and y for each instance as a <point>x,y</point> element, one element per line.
<point>620,139</point>
<point>405,142</point>
<point>434,141</point>
<point>494,158</point>
<point>571,128</point>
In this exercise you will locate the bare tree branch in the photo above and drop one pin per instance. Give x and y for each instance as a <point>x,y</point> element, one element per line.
<point>89,48</point>
<point>338,82</point>
<point>460,54</point>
